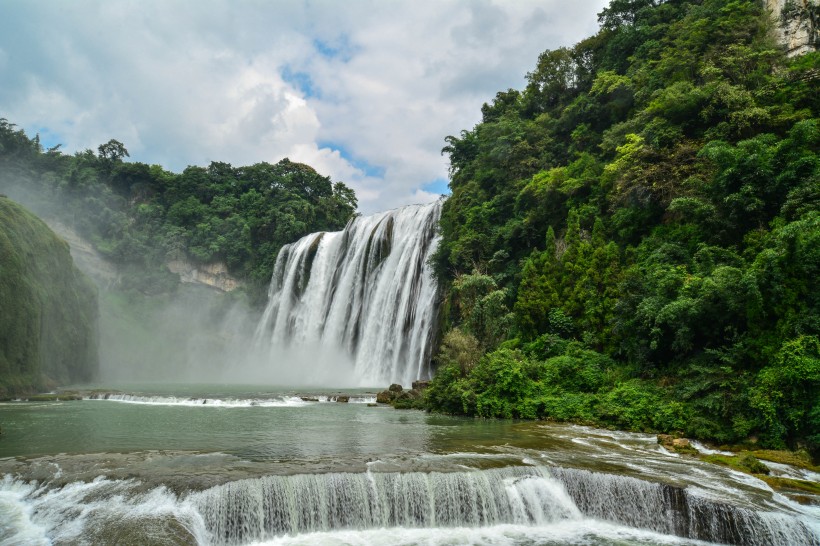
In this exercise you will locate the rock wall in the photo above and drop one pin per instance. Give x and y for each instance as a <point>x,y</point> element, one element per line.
<point>797,24</point>
<point>214,274</point>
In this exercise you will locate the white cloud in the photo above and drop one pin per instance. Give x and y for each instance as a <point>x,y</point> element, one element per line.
<point>364,91</point>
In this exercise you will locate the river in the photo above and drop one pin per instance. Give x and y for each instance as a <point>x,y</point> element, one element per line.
<point>199,464</point>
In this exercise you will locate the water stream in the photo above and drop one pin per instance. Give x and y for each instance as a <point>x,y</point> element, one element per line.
<point>240,465</point>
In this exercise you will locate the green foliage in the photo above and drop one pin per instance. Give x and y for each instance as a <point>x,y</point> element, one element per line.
<point>787,393</point>
<point>459,349</point>
<point>48,324</point>
<point>141,216</point>
<point>651,196</point>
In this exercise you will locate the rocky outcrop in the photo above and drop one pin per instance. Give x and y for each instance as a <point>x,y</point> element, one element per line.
<point>399,398</point>
<point>797,24</point>
<point>421,384</point>
<point>214,274</point>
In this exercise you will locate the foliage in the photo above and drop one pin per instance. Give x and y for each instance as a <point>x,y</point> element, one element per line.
<point>48,323</point>
<point>142,216</point>
<point>650,197</point>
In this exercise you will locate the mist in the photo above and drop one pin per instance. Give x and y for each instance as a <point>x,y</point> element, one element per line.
<point>192,334</point>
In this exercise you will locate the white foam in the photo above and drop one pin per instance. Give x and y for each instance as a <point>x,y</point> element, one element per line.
<point>583,532</point>
<point>16,525</point>
<point>284,401</point>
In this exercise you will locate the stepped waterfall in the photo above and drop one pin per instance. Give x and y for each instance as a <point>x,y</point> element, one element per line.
<point>365,293</point>
<point>512,505</point>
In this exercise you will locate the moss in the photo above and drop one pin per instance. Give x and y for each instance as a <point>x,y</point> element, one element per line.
<point>48,324</point>
<point>791,484</point>
<point>800,459</point>
<point>745,462</point>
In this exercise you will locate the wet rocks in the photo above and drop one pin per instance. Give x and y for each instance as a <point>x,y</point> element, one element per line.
<point>421,384</point>
<point>385,397</point>
<point>678,445</point>
<point>399,398</point>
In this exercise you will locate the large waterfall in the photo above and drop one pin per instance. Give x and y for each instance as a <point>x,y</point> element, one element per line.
<point>364,295</point>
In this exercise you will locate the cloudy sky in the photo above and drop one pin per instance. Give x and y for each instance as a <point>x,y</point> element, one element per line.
<point>363,90</point>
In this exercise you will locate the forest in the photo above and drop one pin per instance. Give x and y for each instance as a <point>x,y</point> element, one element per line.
<point>633,239</point>
<point>140,216</point>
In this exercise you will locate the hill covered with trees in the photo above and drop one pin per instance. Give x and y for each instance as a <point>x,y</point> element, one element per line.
<point>141,216</point>
<point>48,323</point>
<point>633,240</point>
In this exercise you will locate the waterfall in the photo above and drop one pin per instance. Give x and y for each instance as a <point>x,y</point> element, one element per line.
<point>365,293</point>
<point>537,501</point>
<point>255,509</point>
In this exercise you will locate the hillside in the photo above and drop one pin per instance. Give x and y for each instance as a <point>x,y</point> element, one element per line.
<point>144,219</point>
<point>48,324</point>
<point>632,240</point>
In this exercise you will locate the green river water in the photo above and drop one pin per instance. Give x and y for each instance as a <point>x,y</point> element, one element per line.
<point>205,464</point>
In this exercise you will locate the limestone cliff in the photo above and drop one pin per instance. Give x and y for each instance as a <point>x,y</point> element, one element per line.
<point>214,274</point>
<point>48,308</point>
<point>797,24</point>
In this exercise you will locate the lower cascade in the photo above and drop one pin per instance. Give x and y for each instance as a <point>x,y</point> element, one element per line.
<point>366,292</point>
<point>569,503</point>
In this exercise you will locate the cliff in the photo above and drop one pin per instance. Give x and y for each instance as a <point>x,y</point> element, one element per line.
<point>48,323</point>
<point>214,274</point>
<point>797,25</point>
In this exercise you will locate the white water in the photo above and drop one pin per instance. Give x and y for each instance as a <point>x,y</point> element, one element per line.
<point>511,505</point>
<point>284,401</point>
<point>364,295</point>
<point>226,402</point>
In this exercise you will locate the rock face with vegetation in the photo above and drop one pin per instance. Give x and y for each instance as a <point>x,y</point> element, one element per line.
<point>633,240</point>
<point>48,323</point>
<point>219,224</point>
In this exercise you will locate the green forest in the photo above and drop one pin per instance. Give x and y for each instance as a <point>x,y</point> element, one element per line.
<point>633,239</point>
<point>140,216</point>
<point>48,322</point>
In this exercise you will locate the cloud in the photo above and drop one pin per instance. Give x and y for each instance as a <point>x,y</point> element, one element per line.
<point>364,91</point>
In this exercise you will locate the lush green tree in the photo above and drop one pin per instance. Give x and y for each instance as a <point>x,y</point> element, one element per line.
<point>651,196</point>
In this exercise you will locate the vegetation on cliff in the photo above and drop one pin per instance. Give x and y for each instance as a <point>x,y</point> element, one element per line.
<point>633,240</point>
<point>141,216</point>
<point>48,323</point>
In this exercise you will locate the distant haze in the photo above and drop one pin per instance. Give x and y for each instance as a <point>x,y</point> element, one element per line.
<point>364,91</point>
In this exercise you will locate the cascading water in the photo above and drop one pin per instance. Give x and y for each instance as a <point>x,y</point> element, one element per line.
<point>366,292</point>
<point>563,505</point>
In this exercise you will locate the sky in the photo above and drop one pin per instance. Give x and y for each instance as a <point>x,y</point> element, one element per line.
<point>364,91</point>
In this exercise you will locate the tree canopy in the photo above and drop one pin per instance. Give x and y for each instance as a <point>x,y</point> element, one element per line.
<point>644,218</point>
<point>141,216</point>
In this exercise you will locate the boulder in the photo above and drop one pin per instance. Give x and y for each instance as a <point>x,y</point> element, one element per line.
<point>666,440</point>
<point>421,384</point>
<point>395,387</point>
<point>342,398</point>
<point>385,397</point>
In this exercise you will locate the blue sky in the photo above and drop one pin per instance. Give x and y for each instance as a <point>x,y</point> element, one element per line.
<point>364,91</point>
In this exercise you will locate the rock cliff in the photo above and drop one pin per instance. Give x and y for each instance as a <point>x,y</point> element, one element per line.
<point>797,24</point>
